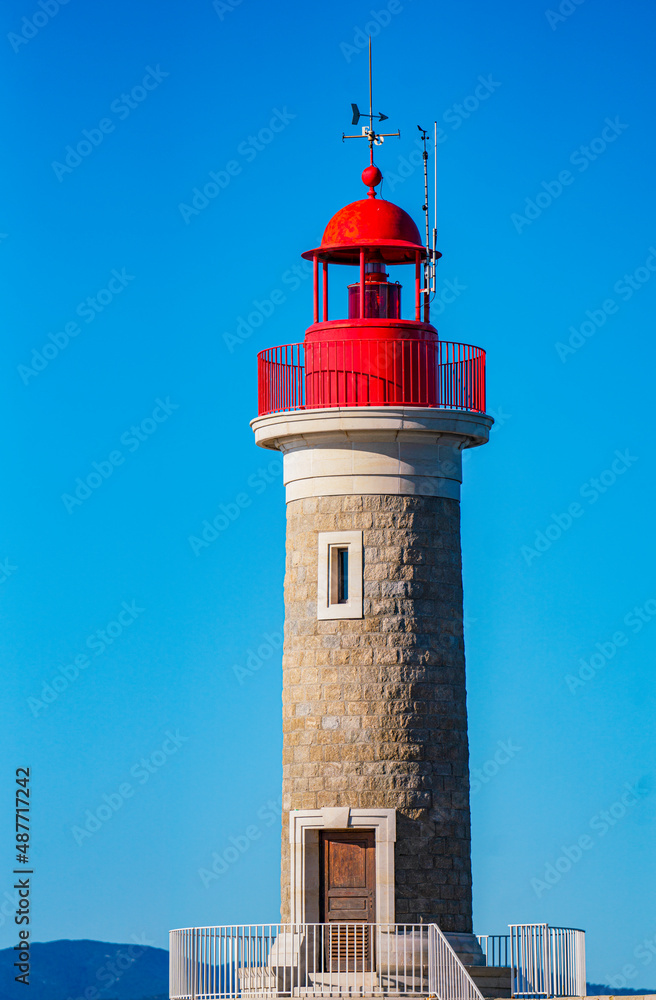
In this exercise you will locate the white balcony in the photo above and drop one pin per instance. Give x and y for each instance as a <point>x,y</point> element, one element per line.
<point>341,960</point>
<point>316,960</point>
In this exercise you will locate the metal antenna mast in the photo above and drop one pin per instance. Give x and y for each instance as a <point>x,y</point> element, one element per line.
<point>371,104</point>
<point>369,133</point>
<point>430,266</point>
<point>424,207</point>
<point>434,282</point>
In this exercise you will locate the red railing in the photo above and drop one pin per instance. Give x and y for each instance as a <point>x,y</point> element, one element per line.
<point>371,373</point>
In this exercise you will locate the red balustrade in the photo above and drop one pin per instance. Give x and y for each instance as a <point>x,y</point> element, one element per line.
<point>371,373</point>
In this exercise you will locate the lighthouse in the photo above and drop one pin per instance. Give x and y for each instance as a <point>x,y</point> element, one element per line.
<point>372,412</point>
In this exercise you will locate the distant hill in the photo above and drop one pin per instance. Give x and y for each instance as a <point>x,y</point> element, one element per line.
<point>596,989</point>
<point>64,970</point>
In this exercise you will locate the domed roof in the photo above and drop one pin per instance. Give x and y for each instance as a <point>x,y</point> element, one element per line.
<point>370,222</point>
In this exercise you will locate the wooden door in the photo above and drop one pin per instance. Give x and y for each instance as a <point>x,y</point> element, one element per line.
<point>348,896</point>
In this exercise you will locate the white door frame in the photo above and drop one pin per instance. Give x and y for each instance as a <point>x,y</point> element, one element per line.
<point>304,828</point>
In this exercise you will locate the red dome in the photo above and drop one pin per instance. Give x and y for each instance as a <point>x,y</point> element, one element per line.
<point>369,223</point>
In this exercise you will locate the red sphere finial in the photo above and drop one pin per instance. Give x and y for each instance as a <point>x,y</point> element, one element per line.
<point>371,176</point>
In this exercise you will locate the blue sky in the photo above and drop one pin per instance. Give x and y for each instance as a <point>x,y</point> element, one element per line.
<point>546,223</point>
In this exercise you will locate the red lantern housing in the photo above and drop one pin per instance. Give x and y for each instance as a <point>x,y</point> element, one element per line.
<point>374,352</point>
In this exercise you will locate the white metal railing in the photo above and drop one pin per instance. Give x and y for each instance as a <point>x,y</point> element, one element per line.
<point>547,961</point>
<point>316,960</point>
<point>495,948</point>
<point>448,978</point>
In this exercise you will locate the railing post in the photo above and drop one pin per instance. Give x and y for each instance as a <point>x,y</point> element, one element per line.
<point>325,292</point>
<point>173,985</point>
<point>194,965</point>
<point>548,964</point>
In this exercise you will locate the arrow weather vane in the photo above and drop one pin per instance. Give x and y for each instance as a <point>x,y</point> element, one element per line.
<point>368,133</point>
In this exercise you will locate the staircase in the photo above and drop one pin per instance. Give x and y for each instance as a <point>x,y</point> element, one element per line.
<point>492,981</point>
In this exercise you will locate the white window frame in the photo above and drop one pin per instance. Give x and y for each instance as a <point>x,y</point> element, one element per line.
<point>327,606</point>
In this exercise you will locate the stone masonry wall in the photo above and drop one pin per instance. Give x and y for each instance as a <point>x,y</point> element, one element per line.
<point>374,709</point>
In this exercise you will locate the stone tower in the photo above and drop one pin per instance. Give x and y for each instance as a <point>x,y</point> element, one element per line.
<point>372,414</point>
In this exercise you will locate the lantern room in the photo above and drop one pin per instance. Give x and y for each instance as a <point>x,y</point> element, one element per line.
<point>371,234</point>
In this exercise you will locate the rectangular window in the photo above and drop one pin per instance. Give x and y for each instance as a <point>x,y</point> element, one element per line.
<point>339,574</point>
<point>339,583</point>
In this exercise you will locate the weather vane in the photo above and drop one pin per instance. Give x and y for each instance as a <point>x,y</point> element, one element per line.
<point>368,132</point>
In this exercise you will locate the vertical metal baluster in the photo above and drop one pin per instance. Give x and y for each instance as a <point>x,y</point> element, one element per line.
<point>325,292</point>
<point>229,971</point>
<point>275,384</point>
<point>422,353</point>
<point>193,977</point>
<point>396,955</point>
<point>314,956</point>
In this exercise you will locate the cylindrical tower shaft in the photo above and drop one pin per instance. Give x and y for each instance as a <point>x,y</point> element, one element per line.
<point>374,711</point>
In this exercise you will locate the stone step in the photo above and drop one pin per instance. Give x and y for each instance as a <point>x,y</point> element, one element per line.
<point>493,981</point>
